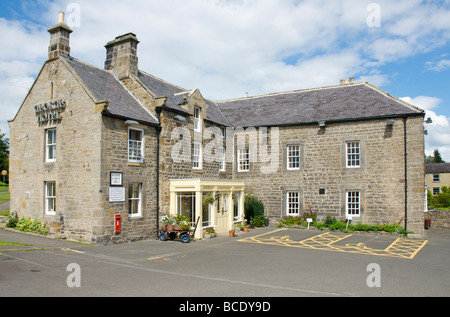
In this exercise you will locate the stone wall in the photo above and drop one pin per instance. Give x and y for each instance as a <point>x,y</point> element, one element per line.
<point>380,179</point>
<point>77,169</point>
<point>115,158</point>
<point>440,219</point>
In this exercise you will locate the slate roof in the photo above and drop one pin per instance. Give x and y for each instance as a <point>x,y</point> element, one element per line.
<point>437,168</point>
<point>104,86</point>
<point>337,103</point>
<point>175,98</point>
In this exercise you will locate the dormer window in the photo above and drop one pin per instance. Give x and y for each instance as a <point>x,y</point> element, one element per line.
<point>197,119</point>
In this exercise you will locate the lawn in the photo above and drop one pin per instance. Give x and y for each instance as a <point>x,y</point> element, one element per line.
<point>3,187</point>
<point>3,243</point>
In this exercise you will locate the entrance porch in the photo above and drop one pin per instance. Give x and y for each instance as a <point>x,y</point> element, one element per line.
<point>218,203</point>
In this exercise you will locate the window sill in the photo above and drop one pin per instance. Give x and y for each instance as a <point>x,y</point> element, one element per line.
<point>136,164</point>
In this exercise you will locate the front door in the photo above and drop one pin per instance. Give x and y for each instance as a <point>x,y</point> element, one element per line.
<point>223,223</point>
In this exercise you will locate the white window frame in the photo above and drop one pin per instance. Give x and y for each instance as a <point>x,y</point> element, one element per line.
<point>293,161</point>
<point>243,157</point>
<point>51,197</point>
<point>222,162</point>
<point>293,203</point>
<point>132,200</point>
<point>353,154</point>
<point>136,144</point>
<point>436,178</point>
<point>50,144</point>
<point>197,119</point>
<point>236,207</point>
<point>197,156</point>
<point>179,206</point>
<point>436,190</point>
<point>353,203</point>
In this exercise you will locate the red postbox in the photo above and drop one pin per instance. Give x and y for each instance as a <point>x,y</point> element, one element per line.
<point>117,224</point>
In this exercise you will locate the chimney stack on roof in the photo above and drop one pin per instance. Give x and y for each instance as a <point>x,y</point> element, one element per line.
<point>346,81</point>
<point>121,56</point>
<point>59,38</point>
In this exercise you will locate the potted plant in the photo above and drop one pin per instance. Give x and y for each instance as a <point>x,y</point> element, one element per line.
<point>168,221</point>
<point>181,223</point>
<point>208,199</point>
<point>232,232</point>
<point>210,233</point>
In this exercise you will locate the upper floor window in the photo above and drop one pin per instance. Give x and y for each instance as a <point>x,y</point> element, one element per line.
<point>353,154</point>
<point>222,163</point>
<point>293,157</point>
<point>436,178</point>
<point>197,156</point>
<point>135,145</point>
<point>50,145</point>
<point>243,160</point>
<point>197,119</point>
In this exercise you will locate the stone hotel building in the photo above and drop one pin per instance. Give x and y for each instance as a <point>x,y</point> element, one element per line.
<point>89,144</point>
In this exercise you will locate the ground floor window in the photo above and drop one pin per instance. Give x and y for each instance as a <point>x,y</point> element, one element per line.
<point>293,203</point>
<point>206,215</point>
<point>134,199</point>
<point>236,209</point>
<point>186,205</point>
<point>353,203</point>
<point>50,198</point>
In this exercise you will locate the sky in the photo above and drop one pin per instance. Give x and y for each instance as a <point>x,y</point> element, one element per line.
<point>236,48</point>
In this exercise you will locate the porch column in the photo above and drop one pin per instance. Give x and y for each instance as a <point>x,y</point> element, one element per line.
<point>198,213</point>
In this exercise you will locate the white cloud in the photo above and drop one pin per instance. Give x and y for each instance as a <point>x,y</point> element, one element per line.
<point>439,65</point>
<point>439,131</point>
<point>229,47</point>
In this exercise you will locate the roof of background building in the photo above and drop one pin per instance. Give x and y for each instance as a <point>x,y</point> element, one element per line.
<point>437,168</point>
<point>336,103</point>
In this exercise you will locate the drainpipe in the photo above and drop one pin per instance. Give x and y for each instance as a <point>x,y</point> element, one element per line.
<point>158,130</point>
<point>406,172</point>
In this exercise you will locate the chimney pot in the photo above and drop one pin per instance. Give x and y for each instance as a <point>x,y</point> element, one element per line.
<point>60,17</point>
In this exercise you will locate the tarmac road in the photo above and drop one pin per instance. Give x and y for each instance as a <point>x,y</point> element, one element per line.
<point>223,267</point>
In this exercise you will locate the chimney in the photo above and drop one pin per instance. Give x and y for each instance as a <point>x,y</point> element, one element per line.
<point>121,56</point>
<point>59,38</point>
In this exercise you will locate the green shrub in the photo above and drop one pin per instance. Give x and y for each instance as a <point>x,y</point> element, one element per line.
<point>259,221</point>
<point>290,221</point>
<point>25,224</point>
<point>253,208</point>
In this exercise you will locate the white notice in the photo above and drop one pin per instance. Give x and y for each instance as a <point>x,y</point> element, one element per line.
<point>116,194</point>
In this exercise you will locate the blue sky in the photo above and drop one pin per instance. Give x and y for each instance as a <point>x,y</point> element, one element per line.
<point>231,48</point>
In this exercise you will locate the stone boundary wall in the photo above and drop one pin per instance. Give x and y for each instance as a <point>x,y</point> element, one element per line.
<point>440,219</point>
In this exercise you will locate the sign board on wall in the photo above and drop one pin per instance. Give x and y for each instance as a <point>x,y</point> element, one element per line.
<point>116,194</point>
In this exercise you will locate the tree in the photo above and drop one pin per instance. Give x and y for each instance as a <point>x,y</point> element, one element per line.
<point>437,157</point>
<point>4,154</point>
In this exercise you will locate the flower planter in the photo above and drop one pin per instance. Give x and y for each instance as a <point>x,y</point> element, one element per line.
<point>245,229</point>
<point>169,227</point>
<point>232,234</point>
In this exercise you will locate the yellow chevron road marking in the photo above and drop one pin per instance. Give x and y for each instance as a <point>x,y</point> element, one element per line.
<point>400,248</point>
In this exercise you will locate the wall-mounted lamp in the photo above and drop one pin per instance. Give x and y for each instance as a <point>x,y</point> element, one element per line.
<point>390,122</point>
<point>429,121</point>
<point>322,124</point>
